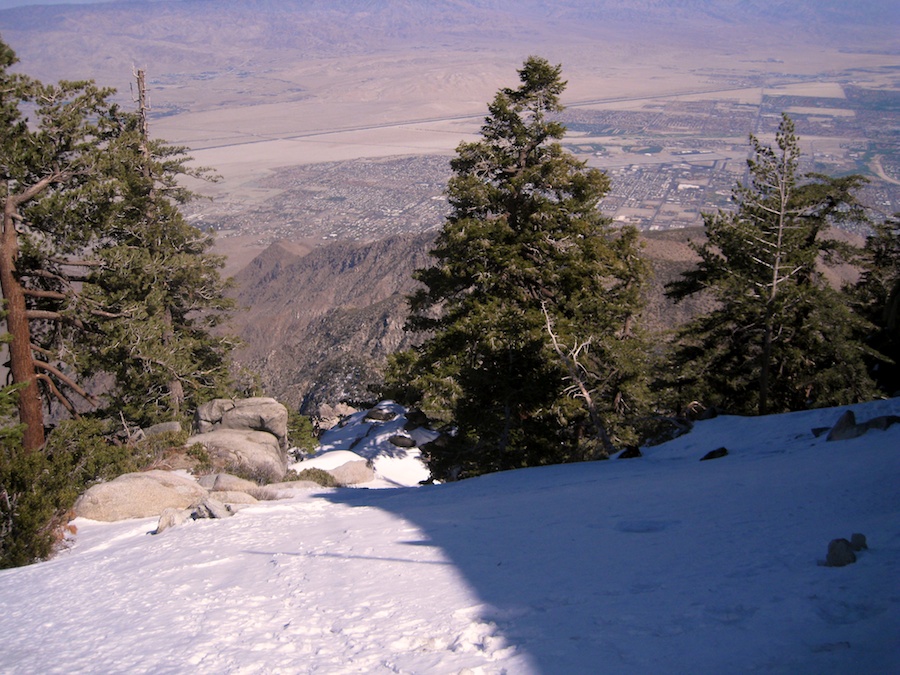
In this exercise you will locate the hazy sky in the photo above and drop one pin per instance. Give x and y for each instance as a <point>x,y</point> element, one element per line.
<point>6,4</point>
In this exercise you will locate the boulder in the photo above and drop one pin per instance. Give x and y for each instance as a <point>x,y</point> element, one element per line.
<point>209,507</point>
<point>225,482</point>
<point>257,452</point>
<point>346,466</point>
<point>329,416</point>
<point>255,414</point>
<point>631,452</point>
<point>840,553</point>
<point>402,441</point>
<point>714,454</point>
<point>353,473</point>
<point>171,517</point>
<point>210,414</point>
<point>845,428</point>
<point>259,414</point>
<point>138,495</point>
<point>381,415</point>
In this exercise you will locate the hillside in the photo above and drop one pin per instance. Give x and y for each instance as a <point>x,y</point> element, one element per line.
<point>318,323</point>
<point>657,564</point>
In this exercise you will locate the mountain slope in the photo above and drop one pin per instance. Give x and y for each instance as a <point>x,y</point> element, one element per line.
<point>659,564</point>
<point>318,325</point>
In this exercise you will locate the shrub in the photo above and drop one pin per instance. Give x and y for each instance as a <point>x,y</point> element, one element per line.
<point>319,476</point>
<point>38,489</point>
<point>302,432</point>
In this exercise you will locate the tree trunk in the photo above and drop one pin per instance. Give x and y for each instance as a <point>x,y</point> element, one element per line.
<point>31,412</point>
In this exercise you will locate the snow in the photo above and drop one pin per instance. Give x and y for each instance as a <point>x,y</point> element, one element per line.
<point>358,438</point>
<point>658,564</point>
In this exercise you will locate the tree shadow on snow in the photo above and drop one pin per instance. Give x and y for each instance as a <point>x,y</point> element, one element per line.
<point>535,568</point>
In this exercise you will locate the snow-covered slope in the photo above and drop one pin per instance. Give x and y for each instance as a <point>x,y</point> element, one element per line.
<point>659,564</point>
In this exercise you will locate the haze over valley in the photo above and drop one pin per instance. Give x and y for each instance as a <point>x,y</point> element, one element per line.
<point>333,122</point>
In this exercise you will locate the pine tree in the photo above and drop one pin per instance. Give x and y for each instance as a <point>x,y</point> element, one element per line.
<point>877,297</point>
<point>159,284</point>
<point>781,338</point>
<point>529,282</point>
<point>93,252</point>
<point>54,202</point>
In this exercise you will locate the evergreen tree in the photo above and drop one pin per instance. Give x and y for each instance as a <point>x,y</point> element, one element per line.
<point>781,337</point>
<point>54,202</point>
<point>100,272</point>
<point>877,297</point>
<point>159,285</point>
<point>532,292</point>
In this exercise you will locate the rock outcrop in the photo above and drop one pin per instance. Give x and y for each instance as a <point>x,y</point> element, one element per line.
<point>255,453</point>
<point>847,427</point>
<point>248,433</point>
<point>254,414</point>
<point>139,495</point>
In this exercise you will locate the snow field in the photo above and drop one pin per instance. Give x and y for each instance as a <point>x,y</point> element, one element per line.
<point>658,564</point>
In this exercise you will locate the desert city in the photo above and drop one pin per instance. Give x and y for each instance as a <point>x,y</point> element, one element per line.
<point>340,124</point>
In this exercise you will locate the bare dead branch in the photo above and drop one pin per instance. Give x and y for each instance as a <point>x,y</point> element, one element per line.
<point>51,295</point>
<point>65,379</point>
<point>57,394</point>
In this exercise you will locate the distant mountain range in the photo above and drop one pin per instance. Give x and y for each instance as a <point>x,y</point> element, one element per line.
<point>75,40</point>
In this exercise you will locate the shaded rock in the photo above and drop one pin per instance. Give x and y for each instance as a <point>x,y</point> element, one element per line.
<point>858,541</point>
<point>402,441</point>
<point>882,423</point>
<point>138,495</point>
<point>415,418</point>
<point>210,508</point>
<point>258,452</point>
<point>631,452</point>
<point>380,415</point>
<point>840,553</point>
<point>714,454</point>
<point>845,428</point>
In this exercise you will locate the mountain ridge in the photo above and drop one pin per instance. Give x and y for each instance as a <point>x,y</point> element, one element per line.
<point>318,324</point>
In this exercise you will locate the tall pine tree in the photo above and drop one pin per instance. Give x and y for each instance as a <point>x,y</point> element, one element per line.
<point>877,298</point>
<point>781,337</point>
<point>159,285</point>
<point>100,272</point>
<point>532,300</point>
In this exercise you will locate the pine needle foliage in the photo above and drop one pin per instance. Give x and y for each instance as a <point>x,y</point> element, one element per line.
<point>782,338</point>
<point>526,247</point>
